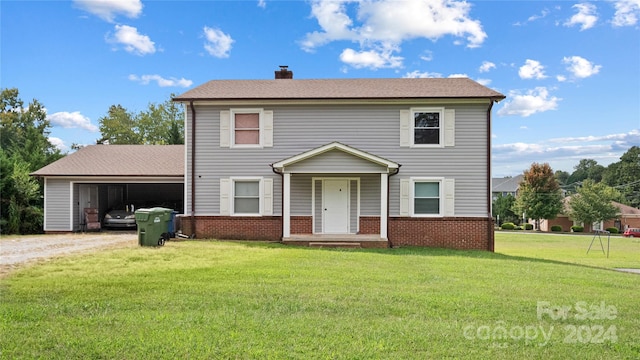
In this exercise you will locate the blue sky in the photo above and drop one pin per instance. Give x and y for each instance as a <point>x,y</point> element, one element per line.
<point>570,69</point>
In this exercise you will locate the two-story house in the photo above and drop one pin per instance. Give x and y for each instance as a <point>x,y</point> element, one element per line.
<point>376,162</point>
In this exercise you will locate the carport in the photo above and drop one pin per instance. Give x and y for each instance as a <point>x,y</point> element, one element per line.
<point>107,177</point>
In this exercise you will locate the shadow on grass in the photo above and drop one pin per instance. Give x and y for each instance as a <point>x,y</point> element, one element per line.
<point>410,251</point>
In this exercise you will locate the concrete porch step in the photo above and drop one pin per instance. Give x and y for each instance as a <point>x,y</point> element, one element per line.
<point>343,241</point>
<point>335,244</point>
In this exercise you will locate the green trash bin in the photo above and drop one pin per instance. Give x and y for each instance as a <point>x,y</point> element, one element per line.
<point>153,226</point>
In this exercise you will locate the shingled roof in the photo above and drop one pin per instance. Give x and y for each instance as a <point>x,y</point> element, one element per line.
<point>119,160</point>
<point>282,89</point>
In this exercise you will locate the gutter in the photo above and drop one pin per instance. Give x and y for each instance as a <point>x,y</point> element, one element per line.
<point>388,197</point>
<point>281,200</point>
<point>193,169</point>
<point>491,245</point>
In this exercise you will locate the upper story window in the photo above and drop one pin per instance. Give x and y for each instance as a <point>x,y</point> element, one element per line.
<point>246,128</point>
<point>246,125</point>
<point>427,126</point>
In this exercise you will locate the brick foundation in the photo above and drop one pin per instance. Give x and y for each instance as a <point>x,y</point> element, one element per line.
<point>369,225</point>
<point>452,233</point>
<point>235,227</point>
<point>302,225</point>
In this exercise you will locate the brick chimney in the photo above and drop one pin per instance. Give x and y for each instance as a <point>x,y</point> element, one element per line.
<point>284,73</point>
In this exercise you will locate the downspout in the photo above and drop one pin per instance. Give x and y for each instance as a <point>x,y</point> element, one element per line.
<point>388,197</point>
<point>489,216</point>
<point>281,199</point>
<point>193,169</point>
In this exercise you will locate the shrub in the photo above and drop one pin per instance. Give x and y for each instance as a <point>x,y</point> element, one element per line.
<point>556,228</point>
<point>528,226</point>
<point>508,226</point>
<point>613,230</point>
<point>577,228</point>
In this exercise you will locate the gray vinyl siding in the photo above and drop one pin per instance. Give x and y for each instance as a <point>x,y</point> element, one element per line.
<point>371,128</point>
<point>336,161</point>
<point>317,225</point>
<point>57,195</point>
<point>353,207</point>
<point>370,195</point>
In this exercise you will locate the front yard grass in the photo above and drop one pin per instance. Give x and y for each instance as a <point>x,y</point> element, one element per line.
<point>199,299</point>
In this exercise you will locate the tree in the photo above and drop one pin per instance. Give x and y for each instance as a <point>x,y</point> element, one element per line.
<point>592,203</point>
<point>562,177</point>
<point>539,195</point>
<point>503,208</point>
<point>625,176</point>
<point>586,169</point>
<point>25,148</point>
<point>119,127</point>
<point>160,124</point>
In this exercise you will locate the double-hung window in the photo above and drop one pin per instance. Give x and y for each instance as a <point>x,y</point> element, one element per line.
<point>246,197</point>
<point>427,196</point>
<point>246,127</point>
<point>427,126</point>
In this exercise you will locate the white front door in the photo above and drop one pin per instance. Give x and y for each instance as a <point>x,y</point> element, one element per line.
<point>335,206</point>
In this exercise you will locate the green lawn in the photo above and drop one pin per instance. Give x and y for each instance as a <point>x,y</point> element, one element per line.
<point>197,299</point>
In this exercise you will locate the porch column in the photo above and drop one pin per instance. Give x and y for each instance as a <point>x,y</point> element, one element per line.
<point>384,185</point>
<point>286,203</point>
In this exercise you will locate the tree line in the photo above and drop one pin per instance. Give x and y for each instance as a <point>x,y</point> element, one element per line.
<point>24,136</point>
<point>591,189</point>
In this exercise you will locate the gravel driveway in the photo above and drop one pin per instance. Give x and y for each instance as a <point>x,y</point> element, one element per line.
<point>16,251</point>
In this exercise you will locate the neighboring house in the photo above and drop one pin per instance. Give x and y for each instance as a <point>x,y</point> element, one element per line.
<point>375,161</point>
<point>628,217</point>
<point>505,186</point>
<point>105,177</point>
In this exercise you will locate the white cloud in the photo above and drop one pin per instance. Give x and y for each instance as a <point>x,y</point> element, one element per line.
<point>632,137</point>
<point>534,101</point>
<point>484,82</point>
<point>562,153</point>
<point>262,3</point>
<point>561,78</point>
<point>586,16</point>
<point>422,75</point>
<point>218,44</point>
<point>58,143</point>
<point>581,67</point>
<point>372,59</point>
<point>542,15</point>
<point>70,120</point>
<point>533,18</point>
<point>427,56</point>
<point>382,24</point>
<point>132,41</point>
<point>627,13</point>
<point>162,82</point>
<point>108,9</point>
<point>532,69</point>
<point>486,66</point>
<point>458,76</point>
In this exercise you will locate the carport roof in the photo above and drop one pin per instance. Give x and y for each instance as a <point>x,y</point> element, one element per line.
<point>119,160</point>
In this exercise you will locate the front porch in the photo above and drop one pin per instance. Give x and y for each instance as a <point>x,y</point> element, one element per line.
<point>337,240</point>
